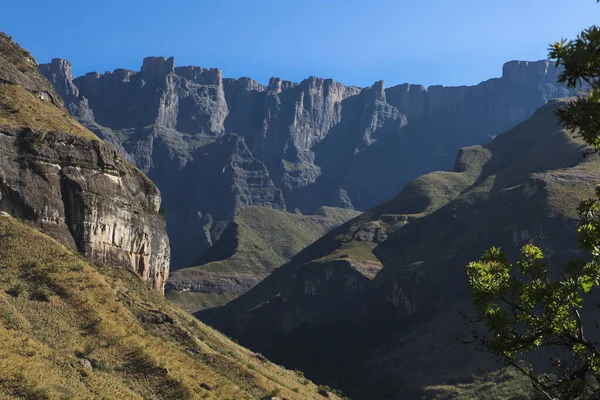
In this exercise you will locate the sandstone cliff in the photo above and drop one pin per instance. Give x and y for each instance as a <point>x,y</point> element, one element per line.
<point>57,175</point>
<point>309,144</point>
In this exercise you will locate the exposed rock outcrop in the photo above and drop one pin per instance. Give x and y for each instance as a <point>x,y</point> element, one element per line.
<point>70,184</point>
<point>321,142</point>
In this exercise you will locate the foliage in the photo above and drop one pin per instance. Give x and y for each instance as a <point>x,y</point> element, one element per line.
<point>533,310</point>
<point>581,64</point>
<point>529,312</point>
<point>163,213</point>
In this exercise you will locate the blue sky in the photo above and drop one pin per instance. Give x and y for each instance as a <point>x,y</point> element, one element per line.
<point>354,42</point>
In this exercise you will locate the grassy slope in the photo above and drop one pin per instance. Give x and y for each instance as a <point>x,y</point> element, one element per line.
<point>268,238</point>
<point>524,180</point>
<point>20,108</point>
<point>56,310</point>
<point>14,55</point>
<point>259,240</point>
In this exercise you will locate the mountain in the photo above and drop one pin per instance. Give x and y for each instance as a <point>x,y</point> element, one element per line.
<point>256,241</point>
<point>84,257</point>
<point>60,177</point>
<point>374,306</point>
<point>70,329</point>
<point>215,145</point>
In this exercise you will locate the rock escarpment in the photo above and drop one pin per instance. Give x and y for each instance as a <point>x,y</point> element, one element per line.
<point>376,302</point>
<point>57,175</point>
<point>317,142</point>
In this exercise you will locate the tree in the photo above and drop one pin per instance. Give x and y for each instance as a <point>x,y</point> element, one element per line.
<point>528,312</point>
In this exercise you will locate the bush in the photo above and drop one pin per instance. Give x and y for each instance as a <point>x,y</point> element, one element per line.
<point>16,290</point>
<point>40,293</point>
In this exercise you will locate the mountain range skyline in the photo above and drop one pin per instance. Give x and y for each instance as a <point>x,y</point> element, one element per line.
<point>356,44</point>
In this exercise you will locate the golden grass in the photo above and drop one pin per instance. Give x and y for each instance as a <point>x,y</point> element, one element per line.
<point>57,310</point>
<point>20,108</point>
<point>16,56</point>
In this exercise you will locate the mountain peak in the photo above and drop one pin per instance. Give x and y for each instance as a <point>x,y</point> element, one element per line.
<point>154,68</point>
<point>542,71</point>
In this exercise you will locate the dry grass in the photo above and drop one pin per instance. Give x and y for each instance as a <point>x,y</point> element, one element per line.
<point>20,109</point>
<point>57,310</point>
<point>14,55</point>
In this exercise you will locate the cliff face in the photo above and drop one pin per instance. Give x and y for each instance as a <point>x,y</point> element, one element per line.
<point>377,301</point>
<point>57,175</point>
<point>317,142</point>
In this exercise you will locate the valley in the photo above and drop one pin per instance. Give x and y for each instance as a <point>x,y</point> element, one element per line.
<point>169,232</point>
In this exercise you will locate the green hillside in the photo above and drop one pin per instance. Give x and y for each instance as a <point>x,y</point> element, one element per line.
<point>382,296</point>
<point>257,241</point>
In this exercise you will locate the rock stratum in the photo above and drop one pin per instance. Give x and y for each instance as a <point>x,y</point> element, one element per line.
<point>57,175</point>
<point>374,306</point>
<point>215,145</point>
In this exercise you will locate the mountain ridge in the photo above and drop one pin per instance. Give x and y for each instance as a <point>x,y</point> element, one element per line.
<point>306,145</point>
<point>387,287</point>
<point>254,243</point>
<point>84,257</point>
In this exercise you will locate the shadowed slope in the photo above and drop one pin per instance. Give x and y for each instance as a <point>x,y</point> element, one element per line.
<point>376,301</point>
<point>257,241</point>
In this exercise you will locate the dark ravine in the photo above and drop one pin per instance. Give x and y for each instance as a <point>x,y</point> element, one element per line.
<point>373,307</point>
<point>215,146</point>
<point>60,177</point>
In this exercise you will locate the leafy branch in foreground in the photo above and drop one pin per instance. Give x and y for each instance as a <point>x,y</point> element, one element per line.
<point>527,310</point>
<point>528,313</point>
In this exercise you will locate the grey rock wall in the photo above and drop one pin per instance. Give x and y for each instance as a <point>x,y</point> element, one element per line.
<point>320,142</point>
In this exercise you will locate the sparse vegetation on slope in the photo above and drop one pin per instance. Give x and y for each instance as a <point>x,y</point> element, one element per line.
<point>72,330</point>
<point>15,55</point>
<point>20,109</point>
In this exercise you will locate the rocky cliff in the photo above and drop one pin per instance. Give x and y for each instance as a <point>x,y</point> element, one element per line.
<point>304,145</point>
<point>59,176</point>
<point>374,306</point>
